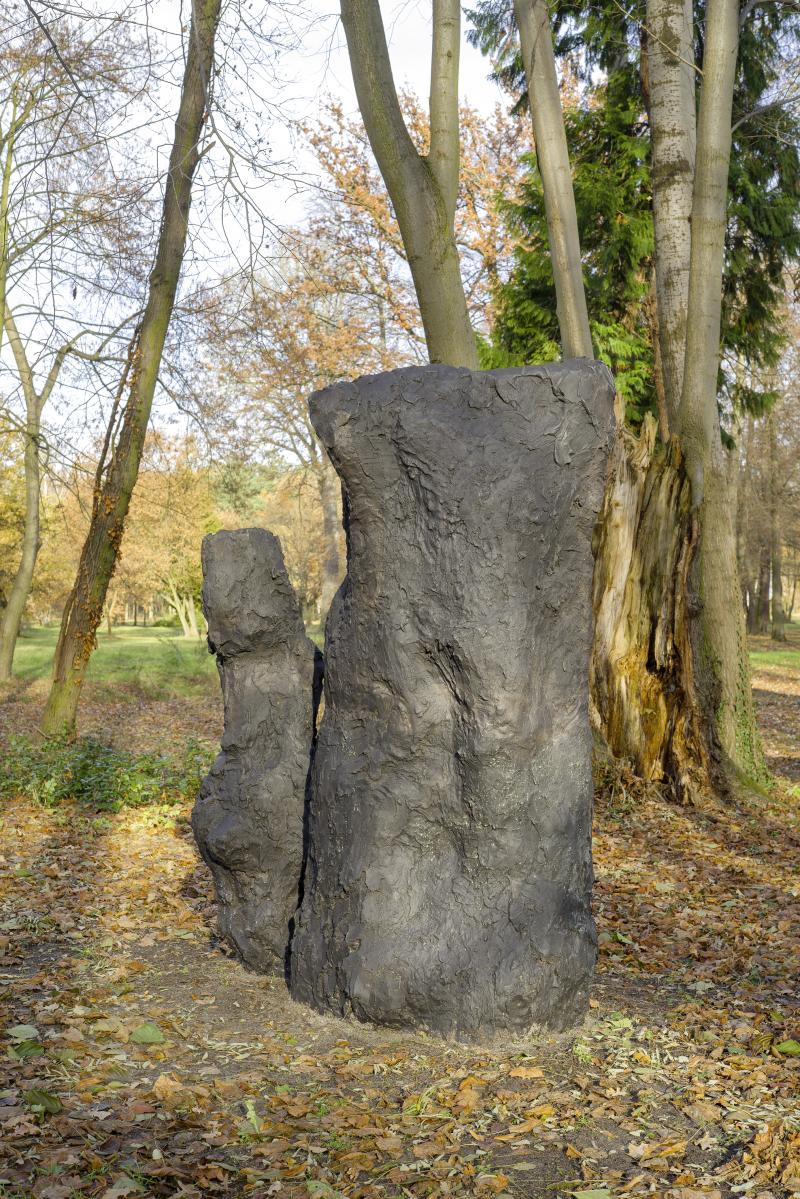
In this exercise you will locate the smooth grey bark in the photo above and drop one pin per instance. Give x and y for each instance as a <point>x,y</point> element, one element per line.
<point>422,189</point>
<point>761,622</point>
<point>775,534</point>
<point>34,405</point>
<point>671,81</point>
<point>449,876</point>
<point>249,815</point>
<point>723,670</point>
<point>552,155</point>
<point>699,415</point>
<point>445,148</point>
<point>23,579</point>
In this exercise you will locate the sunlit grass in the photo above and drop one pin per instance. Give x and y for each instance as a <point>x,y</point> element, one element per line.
<point>766,652</point>
<point>155,660</point>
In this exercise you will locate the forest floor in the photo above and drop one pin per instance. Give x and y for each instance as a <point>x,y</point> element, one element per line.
<point>138,1059</point>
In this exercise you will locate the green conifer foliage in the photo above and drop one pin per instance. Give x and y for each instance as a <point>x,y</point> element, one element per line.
<point>608,135</point>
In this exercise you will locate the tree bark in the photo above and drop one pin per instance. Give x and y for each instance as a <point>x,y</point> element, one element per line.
<point>671,84</point>
<point>23,579</point>
<point>645,700</point>
<point>422,190</point>
<point>719,640</point>
<point>552,155</point>
<point>175,601</point>
<point>191,617</point>
<point>34,404</point>
<point>670,669</point>
<point>110,609</point>
<point>776,534</point>
<point>761,617</point>
<point>112,495</point>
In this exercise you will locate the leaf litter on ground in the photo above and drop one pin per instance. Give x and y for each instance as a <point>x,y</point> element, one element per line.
<point>138,1058</point>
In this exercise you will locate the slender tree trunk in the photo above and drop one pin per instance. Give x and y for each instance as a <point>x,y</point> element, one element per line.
<point>34,405</point>
<point>422,190</point>
<point>111,607</point>
<point>331,524</point>
<point>658,364</point>
<point>761,619</point>
<point>552,155</point>
<point>778,614</point>
<point>743,528</point>
<point>719,640</point>
<point>191,617</point>
<point>775,534</point>
<point>671,84</point>
<point>112,495</point>
<point>176,602</point>
<point>23,579</point>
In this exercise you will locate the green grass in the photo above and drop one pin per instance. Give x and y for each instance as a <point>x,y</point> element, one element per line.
<point>161,661</point>
<point>787,658</point>
<point>153,660</point>
<point>765,652</point>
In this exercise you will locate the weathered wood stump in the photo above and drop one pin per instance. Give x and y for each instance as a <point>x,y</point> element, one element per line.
<point>248,819</point>
<point>449,871</point>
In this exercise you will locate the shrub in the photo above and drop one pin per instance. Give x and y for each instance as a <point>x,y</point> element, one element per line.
<point>98,775</point>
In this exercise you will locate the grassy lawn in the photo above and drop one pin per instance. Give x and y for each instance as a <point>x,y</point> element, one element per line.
<point>764,652</point>
<point>167,662</point>
<point>150,659</point>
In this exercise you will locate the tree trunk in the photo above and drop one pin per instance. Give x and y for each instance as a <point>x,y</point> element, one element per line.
<point>644,697</point>
<point>175,601</point>
<point>111,606</point>
<point>112,496</point>
<point>761,620</point>
<point>23,579</point>
<point>552,155</point>
<point>422,190</point>
<point>775,534</point>
<point>778,614</point>
<point>671,93</point>
<point>332,571</point>
<point>191,617</point>
<point>719,642</point>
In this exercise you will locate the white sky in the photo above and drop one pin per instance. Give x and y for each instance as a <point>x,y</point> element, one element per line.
<point>282,93</point>
<point>321,68</point>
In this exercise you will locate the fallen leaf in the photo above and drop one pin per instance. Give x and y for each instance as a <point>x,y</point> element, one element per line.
<point>147,1034</point>
<point>123,1186</point>
<point>526,1072</point>
<point>49,1103</point>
